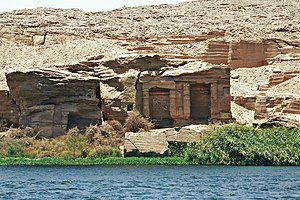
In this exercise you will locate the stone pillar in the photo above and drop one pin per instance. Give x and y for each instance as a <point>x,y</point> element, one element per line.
<point>186,101</point>
<point>146,108</point>
<point>214,108</point>
<point>260,106</point>
<point>173,110</point>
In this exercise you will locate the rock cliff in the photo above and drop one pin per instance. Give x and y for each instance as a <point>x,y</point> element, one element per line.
<point>60,57</point>
<point>54,101</point>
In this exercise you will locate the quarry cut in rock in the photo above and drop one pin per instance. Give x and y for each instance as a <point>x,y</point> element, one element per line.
<point>53,101</point>
<point>166,60</point>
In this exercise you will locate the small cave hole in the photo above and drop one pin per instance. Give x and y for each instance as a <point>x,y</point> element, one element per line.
<point>130,107</point>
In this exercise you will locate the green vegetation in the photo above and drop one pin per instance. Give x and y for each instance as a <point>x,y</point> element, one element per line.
<point>96,141</point>
<point>96,161</point>
<point>15,149</point>
<point>241,145</point>
<point>231,144</point>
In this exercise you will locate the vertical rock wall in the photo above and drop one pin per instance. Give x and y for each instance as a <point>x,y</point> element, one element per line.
<point>52,101</point>
<point>192,92</point>
<point>252,54</point>
<point>9,111</point>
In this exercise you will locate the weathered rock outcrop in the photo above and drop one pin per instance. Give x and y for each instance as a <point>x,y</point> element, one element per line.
<point>119,78</point>
<point>252,53</point>
<point>196,91</point>
<point>164,89</point>
<point>259,40</point>
<point>157,142</point>
<point>9,111</point>
<point>52,101</point>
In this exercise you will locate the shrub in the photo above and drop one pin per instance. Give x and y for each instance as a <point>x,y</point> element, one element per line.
<point>73,131</point>
<point>75,142</point>
<point>91,131</point>
<point>117,126</point>
<point>104,151</point>
<point>103,139</point>
<point>240,145</point>
<point>177,148</point>
<point>135,122</point>
<point>106,129</point>
<point>15,149</point>
<point>28,132</point>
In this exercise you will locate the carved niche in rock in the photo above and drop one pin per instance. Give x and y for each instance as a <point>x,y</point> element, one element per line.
<point>53,101</point>
<point>197,92</point>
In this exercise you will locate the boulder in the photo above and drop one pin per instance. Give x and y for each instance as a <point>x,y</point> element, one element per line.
<point>145,143</point>
<point>157,143</point>
<point>190,133</point>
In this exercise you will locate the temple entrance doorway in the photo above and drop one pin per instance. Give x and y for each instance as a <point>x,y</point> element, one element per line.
<point>159,103</point>
<point>200,102</point>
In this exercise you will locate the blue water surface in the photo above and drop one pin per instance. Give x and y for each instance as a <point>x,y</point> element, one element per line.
<point>149,182</point>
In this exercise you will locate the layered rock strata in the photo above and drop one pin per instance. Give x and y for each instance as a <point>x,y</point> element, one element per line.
<point>164,90</point>
<point>53,101</point>
<point>258,40</point>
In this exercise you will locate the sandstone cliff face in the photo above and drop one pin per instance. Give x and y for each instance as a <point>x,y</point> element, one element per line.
<point>54,101</point>
<point>127,83</point>
<point>119,78</point>
<point>9,111</point>
<point>241,19</point>
<point>259,40</point>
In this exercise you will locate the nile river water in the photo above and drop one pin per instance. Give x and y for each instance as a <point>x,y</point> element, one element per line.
<point>149,182</point>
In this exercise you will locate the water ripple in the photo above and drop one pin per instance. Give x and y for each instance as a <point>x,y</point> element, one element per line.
<point>149,182</point>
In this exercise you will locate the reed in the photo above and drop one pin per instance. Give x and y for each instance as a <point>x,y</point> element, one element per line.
<point>240,145</point>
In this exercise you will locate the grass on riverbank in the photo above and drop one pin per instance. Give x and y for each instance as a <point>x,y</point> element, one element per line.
<point>230,144</point>
<point>240,145</point>
<point>95,161</point>
<point>93,142</point>
<point>96,141</point>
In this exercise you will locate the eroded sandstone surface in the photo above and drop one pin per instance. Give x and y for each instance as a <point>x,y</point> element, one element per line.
<point>54,101</point>
<point>124,48</point>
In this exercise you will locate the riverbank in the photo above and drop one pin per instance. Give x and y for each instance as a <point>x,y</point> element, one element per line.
<point>235,144</point>
<point>95,161</point>
<point>230,144</point>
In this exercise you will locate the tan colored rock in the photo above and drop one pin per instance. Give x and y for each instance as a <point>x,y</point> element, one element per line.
<point>53,101</point>
<point>263,87</point>
<point>157,141</point>
<point>186,134</point>
<point>260,106</point>
<point>38,39</point>
<point>177,34</point>
<point>146,143</point>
